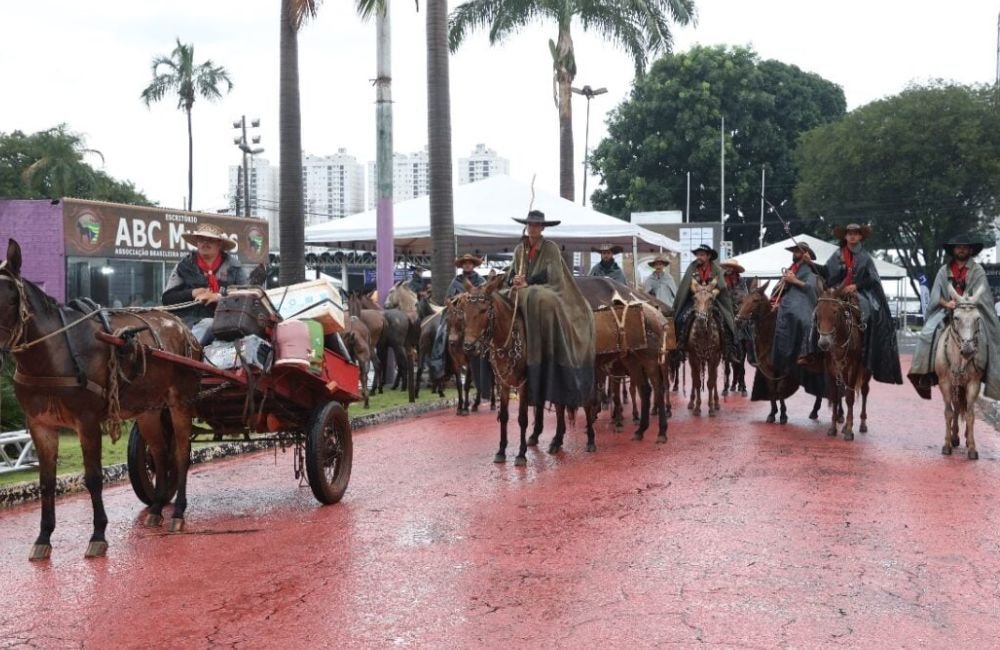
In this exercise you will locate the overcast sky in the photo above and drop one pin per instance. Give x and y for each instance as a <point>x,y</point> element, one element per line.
<point>85,63</point>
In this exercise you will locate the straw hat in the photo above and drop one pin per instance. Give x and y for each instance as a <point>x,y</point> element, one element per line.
<point>659,259</point>
<point>732,265</point>
<point>537,216</point>
<point>468,257</point>
<point>607,247</point>
<point>209,231</point>
<point>840,231</point>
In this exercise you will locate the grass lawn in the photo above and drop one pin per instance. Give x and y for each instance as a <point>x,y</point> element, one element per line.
<point>71,457</point>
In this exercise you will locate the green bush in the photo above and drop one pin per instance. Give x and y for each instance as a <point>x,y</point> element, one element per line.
<point>11,415</point>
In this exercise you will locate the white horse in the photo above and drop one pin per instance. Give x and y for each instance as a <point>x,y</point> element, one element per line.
<point>959,362</point>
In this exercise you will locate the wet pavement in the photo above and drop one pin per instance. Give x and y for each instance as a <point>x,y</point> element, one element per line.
<point>736,533</point>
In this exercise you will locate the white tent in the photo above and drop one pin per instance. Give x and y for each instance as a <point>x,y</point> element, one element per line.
<point>770,261</point>
<point>483,223</point>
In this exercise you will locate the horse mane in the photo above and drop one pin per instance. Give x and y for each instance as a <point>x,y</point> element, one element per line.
<point>38,298</point>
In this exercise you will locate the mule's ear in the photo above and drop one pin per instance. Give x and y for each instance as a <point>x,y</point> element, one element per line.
<point>975,296</point>
<point>14,256</point>
<point>763,287</point>
<point>492,274</point>
<point>951,290</point>
<point>468,285</point>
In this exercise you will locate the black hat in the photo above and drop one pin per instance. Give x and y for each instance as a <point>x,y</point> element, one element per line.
<point>537,216</point>
<point>840,231</point>
<point>804,247</point>
<point>965,240</point>
<point>705,248</point>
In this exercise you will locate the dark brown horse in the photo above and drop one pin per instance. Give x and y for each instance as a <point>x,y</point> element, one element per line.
<point>704,345</point>
<point>357,340</point>
<point>841,340</point>
<point>372,318</point>
<point>491,325</point>
<point>66,379</point>
<point>402,321</point>
<point>759,320</point>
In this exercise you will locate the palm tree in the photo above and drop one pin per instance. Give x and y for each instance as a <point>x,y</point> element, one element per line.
<point>291,213</point>
<point>57,168</point>
<point>441,199</point>
<point>178,73</point>
<point>640,27</point>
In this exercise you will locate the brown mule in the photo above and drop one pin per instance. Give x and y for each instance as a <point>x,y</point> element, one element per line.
<point>841,340</point>
<point>65,378</point>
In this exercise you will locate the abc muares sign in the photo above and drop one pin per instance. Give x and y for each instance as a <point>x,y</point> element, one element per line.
<point>95,229</point>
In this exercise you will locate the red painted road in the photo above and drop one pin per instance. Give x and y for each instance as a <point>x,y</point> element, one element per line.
<point>734,534</point>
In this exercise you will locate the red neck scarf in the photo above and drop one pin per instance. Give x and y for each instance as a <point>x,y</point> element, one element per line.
<point>209,271</point>
<point>731,280</point>
<point>705,272</point>
<point>848,258</point>
<point>959,271</point>
<point>533,249</point>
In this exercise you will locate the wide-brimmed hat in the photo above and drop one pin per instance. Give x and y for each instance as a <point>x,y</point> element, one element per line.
<point>705,248</point>
<point>468,257</point>
<point>537,216</point>
<point>416,268</point>
<point>840,231</point>
<point>209,231</point>
<point>732,265</point>
<point>965,240</point>
<point>804,247</point>
<point>659,259</point>
<point>607,247</point>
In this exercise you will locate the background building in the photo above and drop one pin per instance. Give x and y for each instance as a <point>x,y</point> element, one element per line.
<point>410,177</point>
<point>263,193</point>
<point>334,186</point>
<point>481,163</point>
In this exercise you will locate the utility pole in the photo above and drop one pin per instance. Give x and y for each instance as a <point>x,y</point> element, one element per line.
<point>385,255</point>
<point>241,142</point>
<point>760,243</point>
<point>722,182</point>
<point>589,93</point>
<point>687,209</point>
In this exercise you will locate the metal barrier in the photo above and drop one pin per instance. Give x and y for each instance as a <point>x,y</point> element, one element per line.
<point>16,451</point>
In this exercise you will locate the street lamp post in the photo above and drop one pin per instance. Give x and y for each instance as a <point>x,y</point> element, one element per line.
<point>589,93</point>
<point>241,142</point>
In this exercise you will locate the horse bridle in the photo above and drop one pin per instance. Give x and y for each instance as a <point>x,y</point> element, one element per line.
<point>20,329</point>
<point>954,332</point>
<point>848,308</point>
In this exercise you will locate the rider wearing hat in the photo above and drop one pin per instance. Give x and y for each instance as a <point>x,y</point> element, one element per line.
<point>608,267</point>
<point>559,323</point>
<point>468,264</point>
<point>852,269</point>
<point>482,374</point>
<point>967,278</point>
<point>205,274</point>
<point>795,302</point>
<point>660,284</point>
<point>705,268</point>
<point>416,282</point>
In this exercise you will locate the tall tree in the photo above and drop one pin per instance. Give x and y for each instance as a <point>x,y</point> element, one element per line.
<point>291,213</point>
<point>921,167</point>
<point>178,73</point>
<point>441,198</point>
<point>669,126</point>
<point>52,164</point>
<point>640,27</point>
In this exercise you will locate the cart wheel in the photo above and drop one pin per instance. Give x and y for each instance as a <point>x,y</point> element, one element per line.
<point>142,471</point>
<point>328,452</point>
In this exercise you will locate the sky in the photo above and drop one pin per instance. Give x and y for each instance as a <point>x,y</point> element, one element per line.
<point>85,64</point>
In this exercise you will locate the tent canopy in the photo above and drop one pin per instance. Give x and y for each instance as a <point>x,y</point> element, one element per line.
<point>769,261</point>
<point>484,224</point>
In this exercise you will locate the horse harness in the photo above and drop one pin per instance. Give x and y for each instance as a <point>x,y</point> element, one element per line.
<point>503,358</point>
<point>960,371</point>
<point>852,312</point>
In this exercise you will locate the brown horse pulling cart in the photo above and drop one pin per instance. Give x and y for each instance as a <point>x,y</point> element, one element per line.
<point>288,404</point>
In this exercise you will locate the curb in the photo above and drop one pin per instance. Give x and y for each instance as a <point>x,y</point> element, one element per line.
<point>30,491</point>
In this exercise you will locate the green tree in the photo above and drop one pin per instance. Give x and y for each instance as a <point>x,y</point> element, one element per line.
<point>179,73</point>
<point>670,126</point>
<point>920,167</point>
<point>52,164</point>
<point>640,27</point>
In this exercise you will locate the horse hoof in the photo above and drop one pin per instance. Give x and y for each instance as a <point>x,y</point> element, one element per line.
<point>520,461</point>
<point>176,525</point>
<point>40,552</point>
<point>96,549</point>
<point>712,412</point>
<point>832,432</point>
<point>743,393</point>
<point>533,441</point>
<point>153,521</point>
<point>863,428</point>
<point>475,408</point>
<point>973,454</point>
<point>591,447</point>
<point>956,441</point>
<point>946,450</point>
<point>637,436</point>
<point>813,415</point>
<point>619,427</point>
<point>500,458</point>
<point>783,419</point>
<point>848,436</point>
<point>554,449</point>
<point>770,419</point>
<point>660,440</point>
<point>635,420</point>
